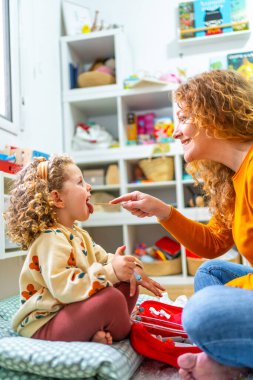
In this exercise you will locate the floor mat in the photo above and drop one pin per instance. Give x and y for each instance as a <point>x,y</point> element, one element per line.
<point>154,370</point>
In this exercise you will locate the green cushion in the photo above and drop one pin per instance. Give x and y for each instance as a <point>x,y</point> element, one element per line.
<point>6,330</point>
<point>69,360</point>
<point>26,358</point>
<point>8,307</point>
<point>13,375</point>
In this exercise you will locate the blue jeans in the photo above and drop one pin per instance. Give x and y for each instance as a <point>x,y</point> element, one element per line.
<point>219,319</point>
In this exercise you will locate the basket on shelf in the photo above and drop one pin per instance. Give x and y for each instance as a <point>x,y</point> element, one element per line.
<point>163,268</point>
<point>158,169</point>
<point>193,263</point>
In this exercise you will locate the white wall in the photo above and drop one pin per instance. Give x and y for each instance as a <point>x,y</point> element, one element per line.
<point>152,30</point>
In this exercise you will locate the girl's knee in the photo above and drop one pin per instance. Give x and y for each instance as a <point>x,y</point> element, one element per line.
<point>112,297</point>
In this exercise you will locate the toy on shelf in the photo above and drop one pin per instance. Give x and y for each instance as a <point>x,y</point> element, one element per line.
<point>131,129</point>
<point>140,249</point>
<point>161,259</point>
<point>138,175</point>
<point>101,73</point>
<point>164,249</point>
<point>197,199</point>
<point>94,26</point>
<point>170,78</point>
<point>7,165</point>
<point>144,79</point>
<point>163,129</point>
<point>168,247</point>
<point>145,128</point>
<point>12,159</point>
<point>91,136</point>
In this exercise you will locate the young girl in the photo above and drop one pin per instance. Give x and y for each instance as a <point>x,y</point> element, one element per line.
<point>71,289</point>
<point>215,127</point>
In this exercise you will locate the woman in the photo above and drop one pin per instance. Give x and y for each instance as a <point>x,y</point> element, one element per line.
<point>215,127</point>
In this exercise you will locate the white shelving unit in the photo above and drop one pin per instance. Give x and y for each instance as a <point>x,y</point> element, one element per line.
<point>108,106</point>
<point>7,249</point>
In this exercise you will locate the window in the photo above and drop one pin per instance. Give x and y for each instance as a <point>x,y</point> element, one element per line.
<point>5,72</point>
<point>9,65</point>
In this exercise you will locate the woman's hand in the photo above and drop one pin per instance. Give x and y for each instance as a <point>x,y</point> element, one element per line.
<point>146,282</point>
<point>123,265</point>
<point>141,205</point>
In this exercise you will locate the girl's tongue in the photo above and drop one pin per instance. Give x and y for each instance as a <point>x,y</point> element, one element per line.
<point>90,207</point>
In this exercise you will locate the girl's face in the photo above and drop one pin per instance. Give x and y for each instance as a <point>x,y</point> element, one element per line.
<point>196,144</point>
<point>75,196</point>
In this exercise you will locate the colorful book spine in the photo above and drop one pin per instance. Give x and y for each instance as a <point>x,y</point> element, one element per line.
<point>211,15</point>
<point>239,15</point>
<point>186,19</point>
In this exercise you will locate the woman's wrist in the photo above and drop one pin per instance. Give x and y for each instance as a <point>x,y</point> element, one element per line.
<point>166,213</point>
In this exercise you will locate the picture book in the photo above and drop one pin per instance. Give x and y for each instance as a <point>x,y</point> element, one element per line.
<point>239,15</point>
<point>241,62</point>
<point>218,63</point>
<point>212,17</point>
<point>186,19</point>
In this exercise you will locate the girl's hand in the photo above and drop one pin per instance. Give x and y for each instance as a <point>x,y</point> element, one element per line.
<point>141,205</point>
<point>146,282</point>
<point>123,265</point>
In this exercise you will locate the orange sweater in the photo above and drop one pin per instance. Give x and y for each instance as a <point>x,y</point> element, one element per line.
<point>205,240</point>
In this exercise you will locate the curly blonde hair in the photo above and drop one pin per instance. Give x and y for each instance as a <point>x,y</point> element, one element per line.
<point>221,102</point>
<point>31,208</point>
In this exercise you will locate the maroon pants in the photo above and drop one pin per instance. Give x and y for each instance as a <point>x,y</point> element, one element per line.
<point>107,310</point>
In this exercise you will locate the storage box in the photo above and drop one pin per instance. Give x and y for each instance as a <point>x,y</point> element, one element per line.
<point>194,263</point>
<point>94,176</point>
<point>163,268</point>
<point>9,167</point>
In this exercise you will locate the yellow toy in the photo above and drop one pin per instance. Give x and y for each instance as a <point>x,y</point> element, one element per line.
<point>163,129</point>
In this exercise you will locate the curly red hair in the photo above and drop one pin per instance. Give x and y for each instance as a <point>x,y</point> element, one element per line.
<point>221,102</point>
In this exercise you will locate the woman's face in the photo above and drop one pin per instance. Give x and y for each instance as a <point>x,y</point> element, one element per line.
<point>196,143</point>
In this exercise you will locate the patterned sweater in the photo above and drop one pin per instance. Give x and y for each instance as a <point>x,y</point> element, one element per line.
<point>62,266</point>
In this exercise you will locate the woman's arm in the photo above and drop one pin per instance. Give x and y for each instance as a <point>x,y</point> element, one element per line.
<point>204,240</point>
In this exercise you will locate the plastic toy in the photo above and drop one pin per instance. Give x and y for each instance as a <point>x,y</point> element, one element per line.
<point>91,136</point>
<point>101,73</point>
<point>140,249</point>
<point>170,78</point>
<point>163,129</point>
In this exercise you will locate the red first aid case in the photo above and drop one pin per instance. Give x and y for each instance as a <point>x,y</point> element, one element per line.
<point>157,332</point>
